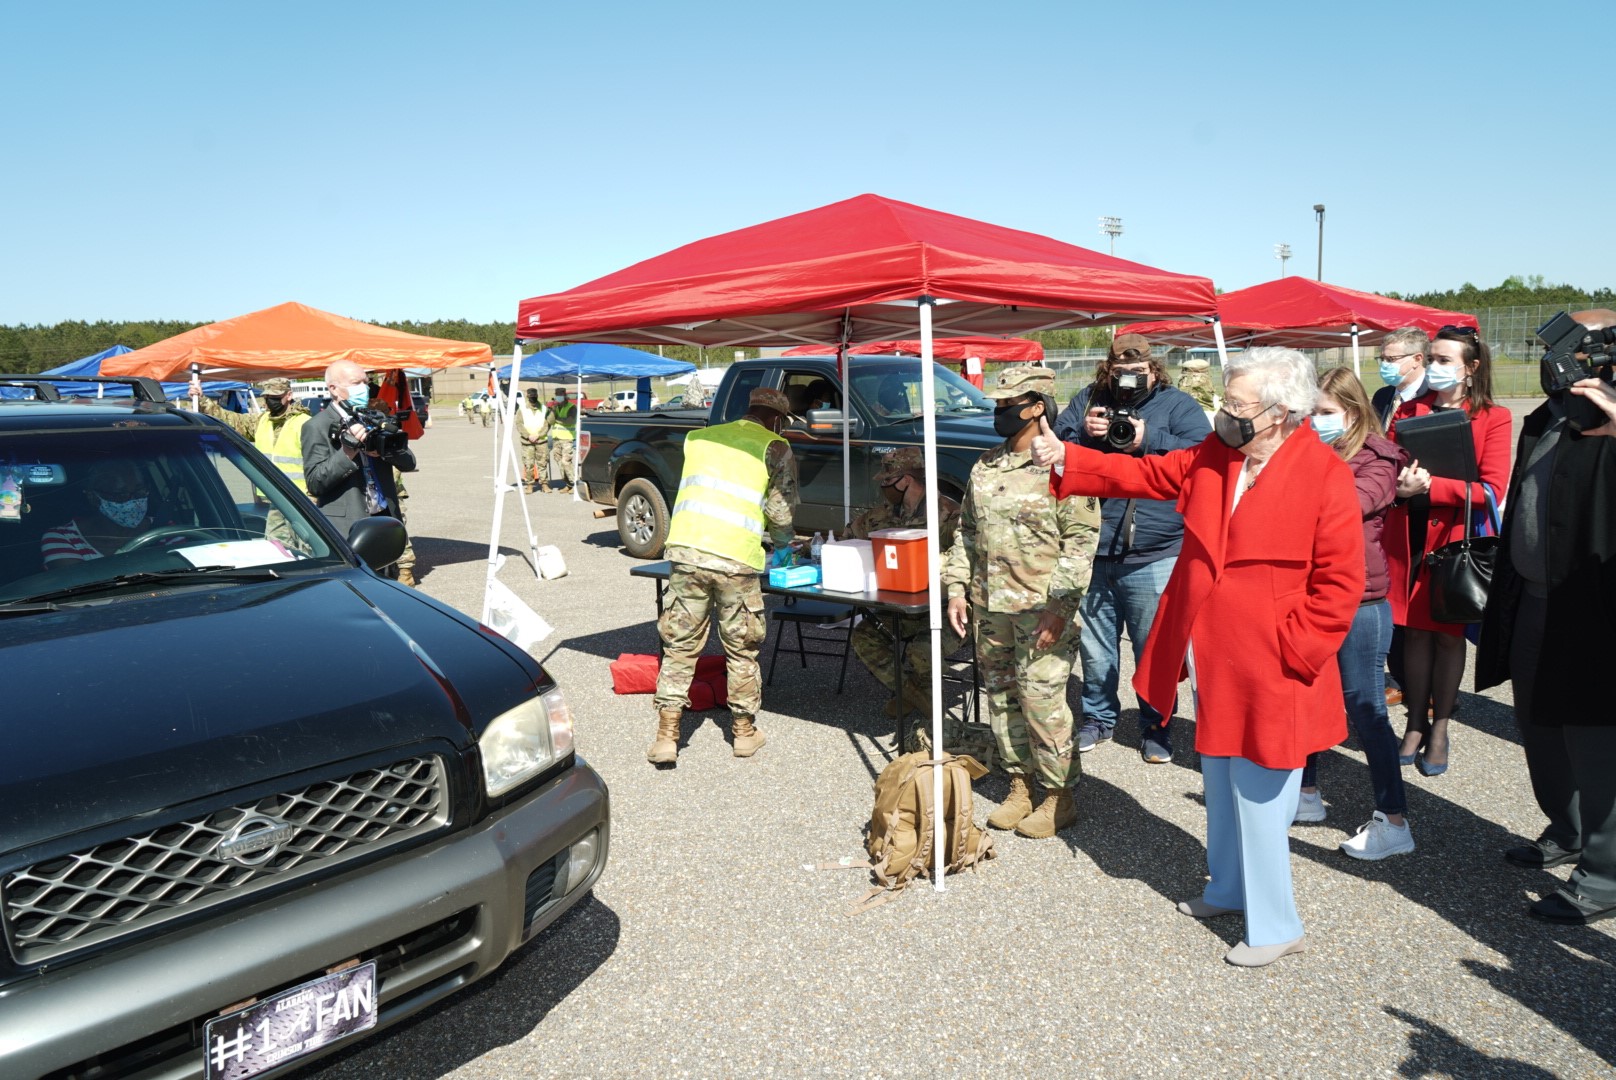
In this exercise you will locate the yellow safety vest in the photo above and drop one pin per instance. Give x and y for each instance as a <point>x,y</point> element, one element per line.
<point>285,447</point>
<point>719,508</point>
<point>561,421</point>
<point>533,421</point>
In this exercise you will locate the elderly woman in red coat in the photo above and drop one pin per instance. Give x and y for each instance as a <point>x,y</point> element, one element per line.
<point>1263,595</point>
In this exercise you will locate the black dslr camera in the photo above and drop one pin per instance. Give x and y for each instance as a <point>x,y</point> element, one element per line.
<point>1563,339</point>
<point>382,434</point>
<point>1120,429</point>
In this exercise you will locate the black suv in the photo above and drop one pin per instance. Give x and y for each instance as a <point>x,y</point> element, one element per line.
<point>256,799</point>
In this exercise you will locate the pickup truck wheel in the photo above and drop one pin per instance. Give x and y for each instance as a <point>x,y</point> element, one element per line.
<point>642,519</point>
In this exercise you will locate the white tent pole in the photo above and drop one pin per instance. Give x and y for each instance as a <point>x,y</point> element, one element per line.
<point>1356,368</point>
<point>515,458</point>
<point>1223,349</point>
<point>577,434</point>
<point>847,423</point>
<point>500,461</point>
<point>934,584</point>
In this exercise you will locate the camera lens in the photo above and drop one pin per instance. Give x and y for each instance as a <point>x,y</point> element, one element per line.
<point>1120,434</point>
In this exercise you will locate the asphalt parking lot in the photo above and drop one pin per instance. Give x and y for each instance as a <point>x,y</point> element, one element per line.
<point>708,950</point>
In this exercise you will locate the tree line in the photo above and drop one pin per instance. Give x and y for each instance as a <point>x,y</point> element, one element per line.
<point>26,349</point>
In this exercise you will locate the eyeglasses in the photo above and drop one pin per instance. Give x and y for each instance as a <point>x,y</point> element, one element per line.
<point>123,494</point>
<point>1239,408</point>
<point>1396,359</point>
<point>1130,369</point>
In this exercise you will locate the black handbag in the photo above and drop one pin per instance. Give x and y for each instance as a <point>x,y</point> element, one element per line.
<point>1461,573</point>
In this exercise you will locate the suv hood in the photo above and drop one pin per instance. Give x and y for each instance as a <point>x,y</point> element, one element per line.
<point>129,707</point>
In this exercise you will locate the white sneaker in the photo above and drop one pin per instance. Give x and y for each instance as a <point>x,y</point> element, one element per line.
<point>1309,808</point>
<point>1378,839</point>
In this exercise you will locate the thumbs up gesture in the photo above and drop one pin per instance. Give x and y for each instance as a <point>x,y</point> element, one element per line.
<point>1046,448</point>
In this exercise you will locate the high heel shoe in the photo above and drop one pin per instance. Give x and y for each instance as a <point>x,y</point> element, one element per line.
<point>1428,769</point>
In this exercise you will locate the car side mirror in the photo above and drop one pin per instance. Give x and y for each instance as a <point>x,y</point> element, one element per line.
<point>827,424</point>
<point>378,541</point>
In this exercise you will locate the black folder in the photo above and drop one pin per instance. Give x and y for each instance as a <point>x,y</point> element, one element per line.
<point>1441,443</point>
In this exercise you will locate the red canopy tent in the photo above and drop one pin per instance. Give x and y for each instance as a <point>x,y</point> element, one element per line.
<point>290,339</point>
<point>1303,314</point>
<point>963,349</point>
<point>865,269</point>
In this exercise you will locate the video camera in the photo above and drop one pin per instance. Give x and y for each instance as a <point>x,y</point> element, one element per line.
<point>1563,339</point>
<point>1121,430</point>
<point>382,435</point>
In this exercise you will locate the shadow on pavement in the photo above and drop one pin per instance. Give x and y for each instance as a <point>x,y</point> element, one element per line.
<point>441,551</point>
<point>498,1011</point>
<point>1434,1051</point>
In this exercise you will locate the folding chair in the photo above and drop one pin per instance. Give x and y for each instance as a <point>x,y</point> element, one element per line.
<point>795,613</point>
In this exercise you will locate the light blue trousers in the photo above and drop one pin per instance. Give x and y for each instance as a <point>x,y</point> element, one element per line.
<point>1248,850</point>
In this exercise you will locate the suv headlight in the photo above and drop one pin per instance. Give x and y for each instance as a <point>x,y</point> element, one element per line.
<point>524,741</point>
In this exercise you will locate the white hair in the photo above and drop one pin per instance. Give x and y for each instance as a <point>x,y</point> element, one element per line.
<point>1284,378</point>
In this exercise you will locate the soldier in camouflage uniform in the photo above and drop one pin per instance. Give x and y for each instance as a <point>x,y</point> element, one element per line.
<point>1019,568</point>
<point>281,412</point>
<point>1195,379</point>
<point>739,481</point>
<point>535,432</point>
<point>902,483</point>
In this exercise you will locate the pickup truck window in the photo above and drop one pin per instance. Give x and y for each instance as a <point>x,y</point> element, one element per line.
<point>895,394</point>
<point>810,390</point>
<point>742,383</point>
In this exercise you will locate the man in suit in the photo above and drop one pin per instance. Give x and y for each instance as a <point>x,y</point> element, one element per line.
<point>1546,623</point>
<point>1402,369</point>
<point>347,481</point>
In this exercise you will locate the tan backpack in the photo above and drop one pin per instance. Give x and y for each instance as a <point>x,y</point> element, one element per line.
<point>900,843</point>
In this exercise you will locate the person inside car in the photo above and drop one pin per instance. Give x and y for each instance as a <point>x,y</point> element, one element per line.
<point>120,510</point>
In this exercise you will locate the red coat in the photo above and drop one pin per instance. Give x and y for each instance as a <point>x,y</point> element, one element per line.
<point>1491,432</point>
<point>1266,595</point>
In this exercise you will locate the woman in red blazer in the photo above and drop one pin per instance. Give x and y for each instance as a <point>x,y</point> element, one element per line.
<point>1265,590</point>
<point>1460,376</point>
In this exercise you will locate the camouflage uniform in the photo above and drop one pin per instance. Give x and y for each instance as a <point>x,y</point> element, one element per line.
<point>562,451</point>
<point>703,584</point>
<point>1196,380</point>
<point>406,562</point>
<point>535,447</point>
<point>1019,552</point>
<point>276,526</point>
<point>872,643</point>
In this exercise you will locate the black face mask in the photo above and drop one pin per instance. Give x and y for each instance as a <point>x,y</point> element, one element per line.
<point>1235,431</point>
<point>1008,421</point>
<point>1128,388</point>
<point>275,405</point>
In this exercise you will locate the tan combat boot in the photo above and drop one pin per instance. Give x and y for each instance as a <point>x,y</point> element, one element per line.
<point>1053,814</point>
<point>665,751</point>
<point>406,576</point>
<point>748,739</point>
<point>1017,805</point>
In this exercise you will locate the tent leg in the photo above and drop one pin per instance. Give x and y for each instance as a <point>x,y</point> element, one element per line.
<point>1223,348</point>
<point>934,591</point>
<point>577,436</point>
<point>1357,367</point>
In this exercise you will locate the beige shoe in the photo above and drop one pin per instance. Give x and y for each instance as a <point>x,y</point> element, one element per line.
<point>748,739</point>
<point>665,750</point>
<point>1251,956</point>
<point>1055,813</point>
<point>1017,805</point>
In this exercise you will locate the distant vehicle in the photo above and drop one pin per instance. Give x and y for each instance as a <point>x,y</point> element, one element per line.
<point>423,407</point>
<point>631,399</point>
<point>634,462</point>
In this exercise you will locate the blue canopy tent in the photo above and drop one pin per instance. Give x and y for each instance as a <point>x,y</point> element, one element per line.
<point>592,360</point>
<point>91,366</point>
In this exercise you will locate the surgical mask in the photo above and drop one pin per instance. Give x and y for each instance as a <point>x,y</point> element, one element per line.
<point>359,395</point>
<point>1008,421</point>
<point>1235,431</point>
<point>1391,374</point>
<point>1442,377</point>
<point>1329,426</point>
<point>126,514</point>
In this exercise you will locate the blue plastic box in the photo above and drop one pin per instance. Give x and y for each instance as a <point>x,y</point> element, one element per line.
<point>785,577</point>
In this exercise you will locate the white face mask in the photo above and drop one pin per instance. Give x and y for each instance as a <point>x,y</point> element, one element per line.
<point>126,514</point>
<point>1442,376</point>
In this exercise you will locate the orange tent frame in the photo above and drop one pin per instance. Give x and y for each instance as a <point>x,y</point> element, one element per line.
<point>292,339</point>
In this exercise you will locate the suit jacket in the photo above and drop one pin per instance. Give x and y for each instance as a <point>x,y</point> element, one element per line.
<point>1579,632</point>
<point>1265,594</point>
<point>1385,401</point>
<point>336,482</point>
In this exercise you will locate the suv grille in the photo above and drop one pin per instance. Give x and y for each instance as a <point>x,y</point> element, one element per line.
<point>125,885</point>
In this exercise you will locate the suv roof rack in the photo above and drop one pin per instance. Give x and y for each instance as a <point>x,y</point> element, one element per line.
<point>44,386</point>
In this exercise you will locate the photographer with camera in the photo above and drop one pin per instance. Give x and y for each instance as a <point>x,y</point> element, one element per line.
<point>1549,614</point>
<point>350,451</point>
<point>1131,408</point>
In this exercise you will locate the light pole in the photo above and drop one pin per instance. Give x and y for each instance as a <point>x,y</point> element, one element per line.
<point>1112,227</point>
<point>1318,208</point>
<point>1282,252</point>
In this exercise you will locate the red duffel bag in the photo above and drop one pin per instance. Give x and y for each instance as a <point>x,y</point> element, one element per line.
<point>636,673</point>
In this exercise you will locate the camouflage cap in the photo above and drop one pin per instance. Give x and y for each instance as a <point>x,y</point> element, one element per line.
<point>275,386</point>
<point>895,463</point>
<point>1196,364</point>
<point>768,398</point>
<point>1135,344</point>
<point>1023,379</point>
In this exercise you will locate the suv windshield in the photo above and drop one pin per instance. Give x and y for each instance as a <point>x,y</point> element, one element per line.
<point>99,504</point>
<point>892,389</point>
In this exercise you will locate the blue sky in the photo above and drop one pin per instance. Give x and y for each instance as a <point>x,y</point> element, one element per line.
<point>420,161</point>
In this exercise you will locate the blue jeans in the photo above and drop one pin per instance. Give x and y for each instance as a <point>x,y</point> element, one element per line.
<point>1120,595</point>
<point>1362,662</point>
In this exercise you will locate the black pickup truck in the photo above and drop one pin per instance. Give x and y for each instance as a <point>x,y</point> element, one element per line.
<point>633,460</point>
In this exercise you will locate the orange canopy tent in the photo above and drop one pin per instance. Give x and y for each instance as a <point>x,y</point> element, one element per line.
<point>291,339</point>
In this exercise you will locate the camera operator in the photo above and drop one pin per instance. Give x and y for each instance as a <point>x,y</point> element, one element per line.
<point>348,469</point>
<point>1132,408</point>
<point>1549,615</point>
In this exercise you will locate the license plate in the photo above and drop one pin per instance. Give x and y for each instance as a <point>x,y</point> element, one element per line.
<point>291,1024</point>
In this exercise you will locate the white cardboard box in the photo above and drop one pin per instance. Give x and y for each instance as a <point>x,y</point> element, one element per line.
<point>846,565</point>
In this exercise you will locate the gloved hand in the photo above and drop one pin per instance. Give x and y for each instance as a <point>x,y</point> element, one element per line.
<point>779,557</point>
